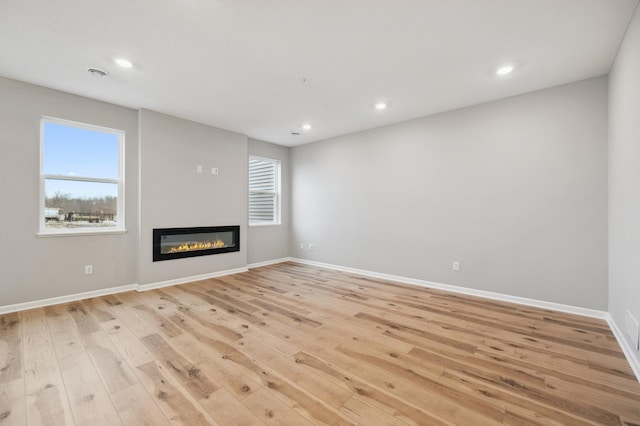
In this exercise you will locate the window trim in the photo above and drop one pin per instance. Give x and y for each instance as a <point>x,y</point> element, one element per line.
<point>120,202</point>
<point>278,193</point>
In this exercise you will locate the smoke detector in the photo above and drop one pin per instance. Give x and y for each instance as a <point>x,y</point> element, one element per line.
<point>97,72</point>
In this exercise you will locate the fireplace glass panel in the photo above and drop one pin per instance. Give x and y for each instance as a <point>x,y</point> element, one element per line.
<point>194,242</point>
<point>174,243</point>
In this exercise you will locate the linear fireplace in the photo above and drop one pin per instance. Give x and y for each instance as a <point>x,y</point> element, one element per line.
<point>176,243</point>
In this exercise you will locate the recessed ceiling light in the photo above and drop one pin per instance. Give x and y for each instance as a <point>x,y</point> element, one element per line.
<point>97,73</point>
<point>124,63</point>
<point>504,70</point>
<point>381,105</point>
<point>306,126</point>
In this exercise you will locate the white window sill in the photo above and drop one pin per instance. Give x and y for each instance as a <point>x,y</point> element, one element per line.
<point>251,225</point>
<point>48,234</point>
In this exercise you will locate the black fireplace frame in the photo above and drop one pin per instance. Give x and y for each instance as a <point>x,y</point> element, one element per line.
<point>159,232</point>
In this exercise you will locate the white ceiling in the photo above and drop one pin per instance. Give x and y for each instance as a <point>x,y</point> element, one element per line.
<point>265,67</point>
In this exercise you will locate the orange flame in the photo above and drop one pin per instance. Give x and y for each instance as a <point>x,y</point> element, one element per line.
<point>201,245</point>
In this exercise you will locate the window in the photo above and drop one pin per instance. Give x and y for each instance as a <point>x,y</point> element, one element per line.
<point>264,191</point>
<point>81,178</point>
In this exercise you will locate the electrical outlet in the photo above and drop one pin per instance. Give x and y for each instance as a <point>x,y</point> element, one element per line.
<point>301,246</point>
<point>214,171</point>
<point>88,269</point>
<point>633,329</point>
<point>312,247</point>
<point>456,265</point>
<point>199,168</point>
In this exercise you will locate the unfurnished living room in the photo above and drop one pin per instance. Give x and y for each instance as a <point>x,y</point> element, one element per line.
<point>305,212</point>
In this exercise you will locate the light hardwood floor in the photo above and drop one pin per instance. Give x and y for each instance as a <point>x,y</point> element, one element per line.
<point>298,345</point>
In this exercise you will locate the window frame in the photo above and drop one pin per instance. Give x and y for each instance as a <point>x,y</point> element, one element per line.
<point>277,220</point>
<point>120,202</point>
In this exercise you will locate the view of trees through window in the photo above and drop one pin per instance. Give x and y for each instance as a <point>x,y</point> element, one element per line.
<point>80,176</point>
<point>63,207</point>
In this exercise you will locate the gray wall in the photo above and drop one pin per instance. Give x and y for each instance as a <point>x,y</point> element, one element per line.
<point>38,268</point>
<point>162,190</point>
<point>624,179</point>
<point>272,241</point>
<point>173,194</point>
<point>516,190</point>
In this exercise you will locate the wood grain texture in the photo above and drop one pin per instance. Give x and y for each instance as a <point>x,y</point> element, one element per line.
<point>47,401</point>
<point>290,344</point>
<point>12,403</point>
<point>10,348</point>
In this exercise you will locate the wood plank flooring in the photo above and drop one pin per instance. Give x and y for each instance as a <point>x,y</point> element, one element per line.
<point>290,344</point>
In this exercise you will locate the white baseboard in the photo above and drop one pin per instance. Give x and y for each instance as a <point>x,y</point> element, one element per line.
<point>624,345</point>
<point>112,290</point>
<point>65,299</point>
<point>465,290</point>
<point>456,289</point>
<point>151,286</point>
<point>269,262</point>
<point>626,348</point>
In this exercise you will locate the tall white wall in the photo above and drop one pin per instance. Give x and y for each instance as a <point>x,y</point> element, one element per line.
<point>174,195</point>
<point>516,190</point>
<point>270,242</point>
<point>624,179</point>
<point>33,268</point>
